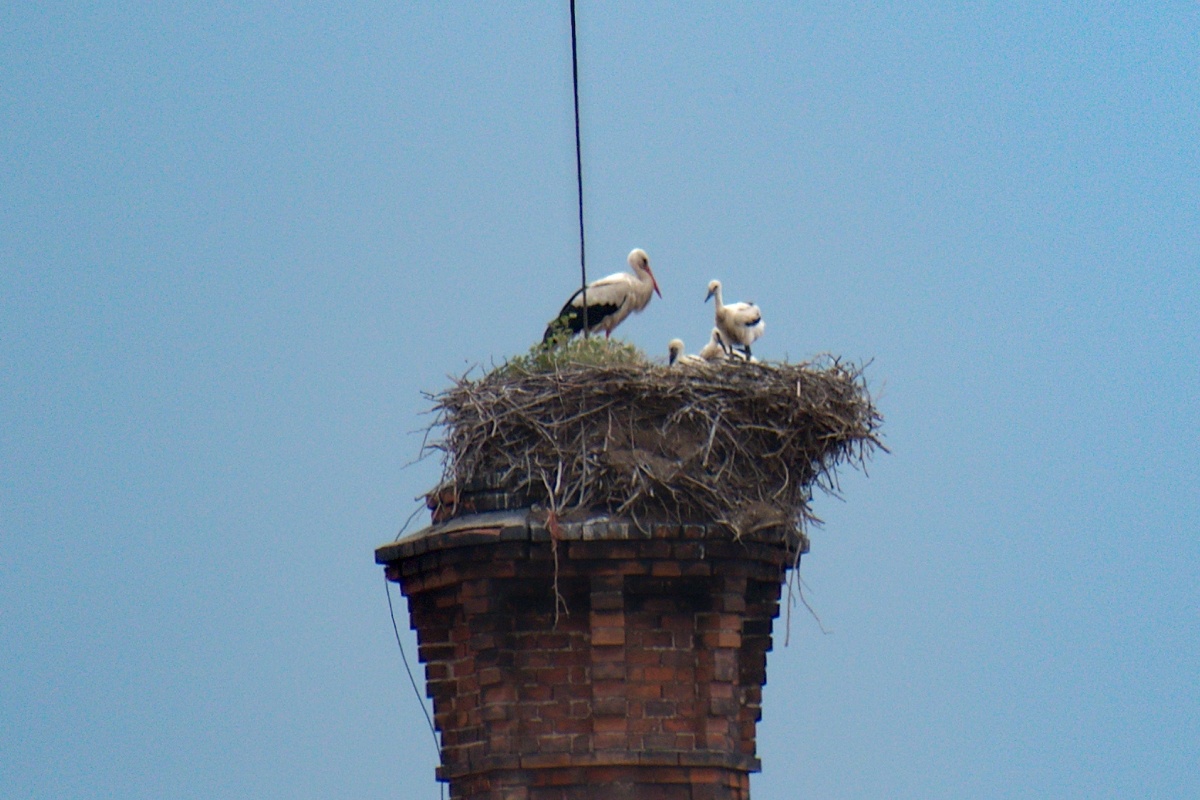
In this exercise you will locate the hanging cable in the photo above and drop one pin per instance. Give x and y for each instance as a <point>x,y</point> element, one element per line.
<point>579,169</point>
<point>387,588</point>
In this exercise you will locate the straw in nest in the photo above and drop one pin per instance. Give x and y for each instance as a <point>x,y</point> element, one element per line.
<point>733,443</point>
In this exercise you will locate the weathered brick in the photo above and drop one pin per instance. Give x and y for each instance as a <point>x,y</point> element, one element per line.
<point>725,665</point>
<point>679,724</point>
<point>555,743</point>
<point>552,641</point>
<point>730,602</point>
<point>659,741</point>
<point>607,653</point>
<point>493,713</point>
<point>554,755</point>
<point>653,639</point>
<point>535,692</point>
<point>608,724</point>
<point>564,693</point>
<point>577,656</point>
<point>609,706</point>
<point>722,706</point>
<point>571,725</point>
<point>551,676</point>
<point>607,619</point>
<point>608,601</point>
<point>643,725</point>
<point>502,693</point>
<point>660,708</point>
<point>659,674</point>
<point>685,741</point>
<point>643,657</point>
<point>668,568</point>
<point>609,741</point>
<point>720,689</point>
<point>609,670</point>
<point>721,639</point>
<point>608,689</point>
<point>435,653</point>
<point>608,636</point>
<point>679,659</point>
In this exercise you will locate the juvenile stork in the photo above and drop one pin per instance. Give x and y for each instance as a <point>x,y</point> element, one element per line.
<point>609,300</point>
<point>715,349</point>
<point>675,354</point>
<point>738,323</point>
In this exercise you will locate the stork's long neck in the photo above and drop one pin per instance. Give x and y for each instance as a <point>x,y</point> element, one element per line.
<point>642,286</point>
<point>643,276</point>
<point>717,296</point>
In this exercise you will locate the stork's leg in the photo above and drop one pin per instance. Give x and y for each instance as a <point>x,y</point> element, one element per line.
<point>747,349</point>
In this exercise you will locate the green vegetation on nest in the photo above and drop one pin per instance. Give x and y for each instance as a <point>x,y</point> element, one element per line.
<point>595,351</point>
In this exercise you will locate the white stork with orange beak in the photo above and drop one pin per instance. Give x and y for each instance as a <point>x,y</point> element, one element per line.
<point>609,300</point>
<point>738,323</point>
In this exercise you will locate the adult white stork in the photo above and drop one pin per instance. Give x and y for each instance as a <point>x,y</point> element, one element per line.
<point>609,300</point>
<point>675,354</point>
<point>738,323</point>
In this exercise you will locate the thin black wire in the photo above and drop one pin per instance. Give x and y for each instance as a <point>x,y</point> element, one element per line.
<point>579,169</point>
<point>391,610</point>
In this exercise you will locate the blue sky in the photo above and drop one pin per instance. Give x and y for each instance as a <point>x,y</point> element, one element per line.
<point>239,240</point>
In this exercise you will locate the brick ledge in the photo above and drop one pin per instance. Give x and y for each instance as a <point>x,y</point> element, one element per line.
<point>525,525</point>
<point>557,761</point>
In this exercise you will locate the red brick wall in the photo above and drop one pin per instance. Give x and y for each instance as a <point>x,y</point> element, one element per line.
<point>648,684</point>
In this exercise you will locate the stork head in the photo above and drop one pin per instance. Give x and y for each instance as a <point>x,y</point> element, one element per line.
<point>674,350</point>
<point>639,262</point>
<point>714,287</point>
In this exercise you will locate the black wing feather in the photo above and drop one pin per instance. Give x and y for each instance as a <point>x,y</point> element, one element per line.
<point>570,318</point>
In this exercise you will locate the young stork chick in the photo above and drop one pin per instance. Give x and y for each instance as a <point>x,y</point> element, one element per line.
<point>738,323</point>
<point>609,300</point>
<point>715,349</point>
<point>676,355</point>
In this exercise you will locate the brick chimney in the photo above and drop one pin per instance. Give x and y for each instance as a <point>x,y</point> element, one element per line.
<point>591,659</point>
<point>584,656</point>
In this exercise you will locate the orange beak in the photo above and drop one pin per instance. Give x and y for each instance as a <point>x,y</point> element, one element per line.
<point>654,281</point>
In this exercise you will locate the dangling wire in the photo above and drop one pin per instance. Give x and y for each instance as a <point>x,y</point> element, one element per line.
<point>579,169</point>
<point>420,700</point>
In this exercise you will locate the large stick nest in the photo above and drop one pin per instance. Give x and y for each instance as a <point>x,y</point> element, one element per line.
<point>739,444</point>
